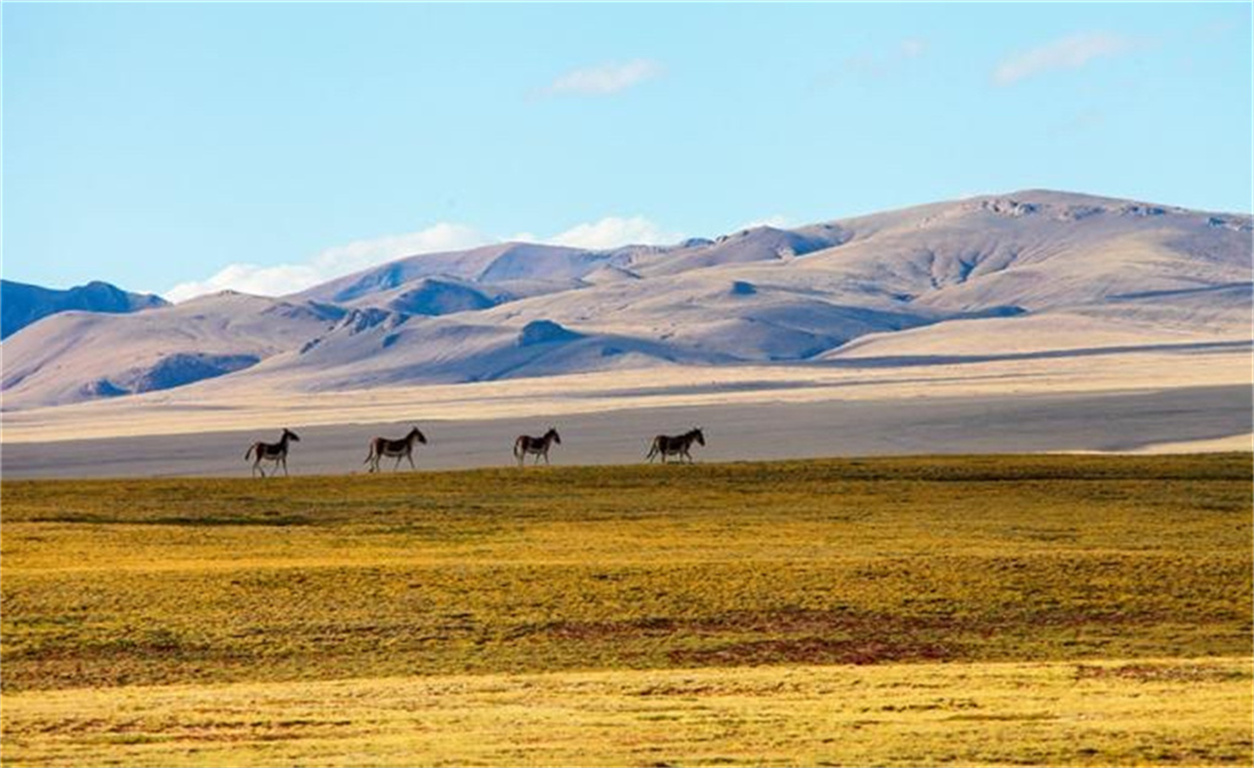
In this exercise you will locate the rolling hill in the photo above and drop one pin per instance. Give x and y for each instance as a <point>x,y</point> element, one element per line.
<point>1027,273</point>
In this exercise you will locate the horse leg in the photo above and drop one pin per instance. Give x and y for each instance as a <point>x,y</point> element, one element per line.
<point>410,456</point>
<point>284,462</point>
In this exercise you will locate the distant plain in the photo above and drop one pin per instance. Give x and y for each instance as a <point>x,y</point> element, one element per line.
<point>1184,401</point>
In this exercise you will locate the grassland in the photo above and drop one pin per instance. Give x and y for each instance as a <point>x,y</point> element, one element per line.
<point>1008,609</point>
<point>1167,712</point>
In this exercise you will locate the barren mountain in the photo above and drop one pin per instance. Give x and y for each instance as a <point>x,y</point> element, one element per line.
<point>73,356</point>
<point>1027,273</point>
<point>23,304</point>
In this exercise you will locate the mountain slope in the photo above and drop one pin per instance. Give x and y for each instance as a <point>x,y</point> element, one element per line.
<point>75,356</point>
<point>23,303</point>
<point>505,263</point>
<point>1033,272</point>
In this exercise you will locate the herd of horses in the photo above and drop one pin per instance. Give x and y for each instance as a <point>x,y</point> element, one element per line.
<point>663,446</point>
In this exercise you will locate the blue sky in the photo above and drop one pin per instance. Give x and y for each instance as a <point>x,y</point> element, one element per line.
<point>267,146</point>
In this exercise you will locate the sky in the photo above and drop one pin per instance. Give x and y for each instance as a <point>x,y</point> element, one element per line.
<point>187,148</point>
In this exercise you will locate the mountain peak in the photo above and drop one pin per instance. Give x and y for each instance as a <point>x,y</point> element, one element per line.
<point>24,304</point>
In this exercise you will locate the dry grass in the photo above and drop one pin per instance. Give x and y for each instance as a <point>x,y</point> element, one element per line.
<point>1164,712</point>
<point>634,571</point>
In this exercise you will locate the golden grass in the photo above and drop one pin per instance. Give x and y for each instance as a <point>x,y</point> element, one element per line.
<point>1159,711</point>
<point>916,567</point>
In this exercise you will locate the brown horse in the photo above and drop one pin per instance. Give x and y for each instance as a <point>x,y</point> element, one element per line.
<point>526,444</point>
<point>398,449</point>
<point>276,452</point>
<point>666,445</point>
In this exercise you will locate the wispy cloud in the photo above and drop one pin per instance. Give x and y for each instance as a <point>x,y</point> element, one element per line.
<point>249,278</point>
<point>604,79</point>
<point>913,48</point>
<point>874,65</point>
<point>612,232</point>
<point>776,221</point>
<point>281,279</point>
<point>332,262</point>
<point>360,254</point>
<point>1067,53</point>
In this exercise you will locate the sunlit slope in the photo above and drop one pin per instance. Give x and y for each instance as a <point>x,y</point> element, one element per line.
<point>1034,270</point>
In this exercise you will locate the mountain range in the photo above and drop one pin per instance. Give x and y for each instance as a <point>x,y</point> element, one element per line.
<point>22,304</point>
<point>1026,273</point>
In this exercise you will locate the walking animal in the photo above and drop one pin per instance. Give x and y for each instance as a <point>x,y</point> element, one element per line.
<point>276,452</point>
<point>665,445</point>
<point>399,449</point>
<point>526,444</point>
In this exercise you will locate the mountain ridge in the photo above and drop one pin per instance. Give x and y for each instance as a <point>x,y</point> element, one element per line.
<point>897,280</point>
<point>25,303</point>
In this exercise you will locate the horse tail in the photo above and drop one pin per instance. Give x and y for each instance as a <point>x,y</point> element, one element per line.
<point>518,447</point>
<point>248,454</point>
<point>653,448</point>
<point>370,455</point>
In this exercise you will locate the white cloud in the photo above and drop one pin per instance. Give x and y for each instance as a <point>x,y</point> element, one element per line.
<point>604,79</point>
<point>249,278</point>
<point>873,65</point>
<point>612,232</point>
<point>913,47</point>
<point>777,221</point>
<point>360,254</point>
<point>1071,52</point>
<point>333,262</point>
<point>609,232</point>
